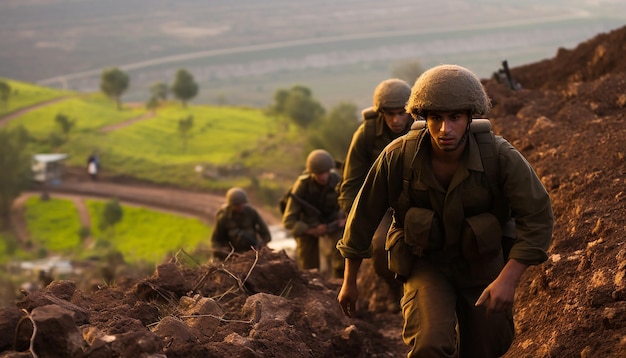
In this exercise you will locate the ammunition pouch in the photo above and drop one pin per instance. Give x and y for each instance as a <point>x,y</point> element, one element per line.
<point>403,245</point>
<point>482,246</point>
<point>399,254</point>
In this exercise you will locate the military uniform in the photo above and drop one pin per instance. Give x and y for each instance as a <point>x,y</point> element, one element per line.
<point>368,141</point>
<point>361,155</point>
<point>309,205</point>
<point>453,242</point>
<point>242,230</point>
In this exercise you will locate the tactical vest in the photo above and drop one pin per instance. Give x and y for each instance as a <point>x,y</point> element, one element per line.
<point>401,254</point>
<point>481,130</point>
<point>323,205</point>
<point>374,144</point>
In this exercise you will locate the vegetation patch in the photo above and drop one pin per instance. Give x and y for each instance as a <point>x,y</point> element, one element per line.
<point>53,224</point>
<point>144,235</point>
<point>23,94</point>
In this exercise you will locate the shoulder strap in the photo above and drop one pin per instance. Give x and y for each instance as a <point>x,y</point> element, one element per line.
<point>410,144</point>
<point>481,129</point>
<point>369,123</point>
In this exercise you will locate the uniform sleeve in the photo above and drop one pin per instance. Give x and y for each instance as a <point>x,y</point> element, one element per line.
<point>262,228</point>
<point>381,188</point>
<point>293,213</point>
<point>530,206</point>
<point>219,236</point>
<point>355,170</point>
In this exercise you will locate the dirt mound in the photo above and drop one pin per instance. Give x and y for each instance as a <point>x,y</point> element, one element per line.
<point>251,305</point>
<point>590,60</point>
<point>569,121</point>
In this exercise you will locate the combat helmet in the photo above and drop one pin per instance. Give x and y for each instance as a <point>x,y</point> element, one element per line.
<point>448,88</point>
<point>319,161</point>
<point>391,93</point>
<point>236,196</point>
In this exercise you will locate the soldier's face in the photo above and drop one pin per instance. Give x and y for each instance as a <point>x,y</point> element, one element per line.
<point>238,207</point>
<point>396,119</point>
<point>447,129</point>
<point>321,178</point>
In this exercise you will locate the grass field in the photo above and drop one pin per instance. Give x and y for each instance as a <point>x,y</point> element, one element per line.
<point>142,236</point>
<point>24,94</point>
<point>89,112</point>
<point>53,224</point>
<point>148,236</point>
<point>230,144</point>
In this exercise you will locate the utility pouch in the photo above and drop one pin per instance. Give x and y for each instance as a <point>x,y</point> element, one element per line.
<point>482,246</point>
<point>418,229</point>
<point>399,254</point>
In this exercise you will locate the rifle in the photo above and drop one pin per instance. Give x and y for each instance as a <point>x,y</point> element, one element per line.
<point>308,208</point>
<point>247,240</point>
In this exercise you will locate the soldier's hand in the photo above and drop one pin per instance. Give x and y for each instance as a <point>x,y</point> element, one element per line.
<point>348,295</point>
<point>500,294</point>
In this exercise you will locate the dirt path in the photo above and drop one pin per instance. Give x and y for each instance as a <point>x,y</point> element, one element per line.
<point>117,126</point>
<point>174,201</point>
<point>20,112</point>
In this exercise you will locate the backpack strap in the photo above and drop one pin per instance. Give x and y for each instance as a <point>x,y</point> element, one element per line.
<point>410,145</point>
<point>369,123</point>
<point>481,130</point>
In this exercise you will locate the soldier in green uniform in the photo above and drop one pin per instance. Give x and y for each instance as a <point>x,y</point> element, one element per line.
<point>312,213</point>
<point>385,121</point>
<point>238,226</point>
<point>446,237</point>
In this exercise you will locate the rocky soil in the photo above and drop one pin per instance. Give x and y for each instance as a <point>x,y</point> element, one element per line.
<point>569,121</point>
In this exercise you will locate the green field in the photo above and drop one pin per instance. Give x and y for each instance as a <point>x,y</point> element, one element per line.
<point>88,112</point>
<point>25,94</point>
<point>142,236</point>
<point>230,144</point>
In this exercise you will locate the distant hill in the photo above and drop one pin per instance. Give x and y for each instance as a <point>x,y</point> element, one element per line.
<point>242,51</point>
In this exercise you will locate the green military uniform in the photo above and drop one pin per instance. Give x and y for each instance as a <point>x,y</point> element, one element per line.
<point>361,155</point>
<point>453,242</point>
<point>309,205</point>
<point>242,230</point>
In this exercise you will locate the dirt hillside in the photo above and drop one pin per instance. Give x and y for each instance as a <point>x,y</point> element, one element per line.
<point>569,121</point>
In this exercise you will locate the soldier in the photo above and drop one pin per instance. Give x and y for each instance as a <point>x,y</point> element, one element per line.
<point>385,121</point>
<point>238,226</point>
<point>312,213</point>
<point>448,223</point>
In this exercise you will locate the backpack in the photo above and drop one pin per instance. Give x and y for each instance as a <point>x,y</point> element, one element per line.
<point>334,180</point>
<point>369,123</point>
<point>282,203</point>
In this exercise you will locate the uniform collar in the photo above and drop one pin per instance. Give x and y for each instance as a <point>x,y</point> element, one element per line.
<point>469,161</point>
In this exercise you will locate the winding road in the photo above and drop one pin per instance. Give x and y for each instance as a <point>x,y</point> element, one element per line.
<point>175,201</point>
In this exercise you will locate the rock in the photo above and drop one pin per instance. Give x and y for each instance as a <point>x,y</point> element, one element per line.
<point>56,333</point>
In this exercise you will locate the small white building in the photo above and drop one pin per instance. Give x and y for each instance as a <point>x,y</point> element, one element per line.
<point>47,167</point>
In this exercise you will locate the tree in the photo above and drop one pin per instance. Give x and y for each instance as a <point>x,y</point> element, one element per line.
<point>184,127</point>
<point>408,70</point>
<point>5,93</point>
<point>15,161</point>
<point>114,82</point>
<point>334,132</point>
<point>298,104</point>
<point>152,104</point>
<point>159,91</point>
<point>55,140</point>
<point>111,215</point>
<point>184,87</point>
<point>65,123</point>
